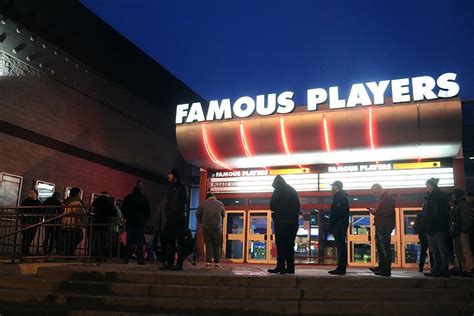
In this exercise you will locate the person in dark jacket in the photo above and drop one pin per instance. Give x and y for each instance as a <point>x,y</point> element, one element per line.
<point>104,212</point>
<point>437,213</point>
<point>52,230</point>
<point>136,211</point>
<point>29,216</point>
<point>470,201</point>
<point>285,207</point>
<point>384,222</point>
<point>461,223</point>
<point>160,231</point>
<point>338,222</point>
<point>420,228</point>
<point>175,212</point>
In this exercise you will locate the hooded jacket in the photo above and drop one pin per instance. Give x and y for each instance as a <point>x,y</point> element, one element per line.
<point>136,208</point>
<point>284,203</point>
<point>437,211</point>
<point>176,201</point>
<point>339,209</point>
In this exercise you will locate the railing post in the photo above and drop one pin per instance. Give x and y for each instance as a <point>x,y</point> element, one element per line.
<point>91,235</point>
<point>15,239</point>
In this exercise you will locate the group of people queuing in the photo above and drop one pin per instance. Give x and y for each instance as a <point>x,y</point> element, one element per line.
<point>443,221</point>
<point>66,223</point>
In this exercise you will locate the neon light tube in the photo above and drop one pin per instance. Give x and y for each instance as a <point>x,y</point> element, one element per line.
<point>283,139</point>
<point>209,150</point>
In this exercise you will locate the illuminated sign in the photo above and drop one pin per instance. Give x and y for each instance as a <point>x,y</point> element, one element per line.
<point>354,177</point>
<point>361,94</point>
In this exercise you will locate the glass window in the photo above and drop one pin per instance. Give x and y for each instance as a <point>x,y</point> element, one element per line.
<point>360,223</point>
<point>413,197</point>
<point>235,223</point>
<point>258,224</point>
<point>394,254</point>
<point>409,222</point>
<point>362,198</point>
<point>258,250</point>
<point>360,252</point>
<point>194,197</point>
<point>310,200</point>
<point>192,221</point>
<point>259,201</point>
<point>234,249</point>
<point>233,202</point>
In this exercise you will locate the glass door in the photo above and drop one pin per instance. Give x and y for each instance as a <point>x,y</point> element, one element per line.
<point>411,249</point>
<point>307,237</point>
<point>261,247</point>
<point>360,248</point>
<point>234,236</point>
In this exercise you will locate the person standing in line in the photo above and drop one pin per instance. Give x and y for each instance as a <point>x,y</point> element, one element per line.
<point>73,223</point>
<point>420,228</point>
<point>52,230</point>
<point>160,231</point>
<point>104,212</point>
<point>461,223</point>
<point>437,213</point>
<point>175,209</point>
<point>29,216</point>
<point>470,201</point>
<point>136,211</point>
<point>338,223</point>
<point>285,207</point>
<point>384,221</point>
<point>210,214</point>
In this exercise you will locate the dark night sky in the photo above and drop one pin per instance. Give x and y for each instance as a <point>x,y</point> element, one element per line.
<point>228,49</point>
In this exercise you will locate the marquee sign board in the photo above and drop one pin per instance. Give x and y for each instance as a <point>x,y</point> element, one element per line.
<point>361,94</point>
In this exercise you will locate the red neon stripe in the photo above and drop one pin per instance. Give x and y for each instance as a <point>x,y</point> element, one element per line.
<point>209,150</point>
<point>244,140</point>
<point>326,134</point>
<point>283,138</point>
<point>371,130</point>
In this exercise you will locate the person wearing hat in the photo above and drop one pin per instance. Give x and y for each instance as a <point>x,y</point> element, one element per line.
<point>175,213</point>
<point>437,212</point>
<point>136,211</point>
<point>29,216</point>
<point>338,222</point>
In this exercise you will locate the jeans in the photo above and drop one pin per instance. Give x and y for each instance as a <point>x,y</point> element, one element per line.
<point>339,232</point>
<point>285,234</point>
<point>382,243</point>
<point>424,248</point>
<point>439,247</point>
<point>213,241</point>
<point>175,234</point>
<point>135,233</point>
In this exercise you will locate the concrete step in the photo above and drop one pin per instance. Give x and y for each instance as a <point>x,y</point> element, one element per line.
<point>215,306</point>
<point>236,292</point>
<point>278,281</point>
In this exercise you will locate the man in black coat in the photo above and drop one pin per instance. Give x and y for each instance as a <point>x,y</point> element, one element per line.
<point>285,207</point>
<point>136,211</point>
<point>52,230</point>
<point>175,213</point>
<point>338,222</point>
<point>104,212</point>
<point>437,211</point>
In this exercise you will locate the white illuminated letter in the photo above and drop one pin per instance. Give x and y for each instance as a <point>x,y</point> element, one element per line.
<point>358,95</point>
<point>195,113</point>
<point>244,111</point>
<point>266,109</point>
<point>378,90</point>
<point>181,112</point>
<point>447,87</point>
<point>334,102</point>
<point>285,102</point>
<point>218,111</point>
<point>400,90</point>
<point>423,88</point>
<point>316,97</point>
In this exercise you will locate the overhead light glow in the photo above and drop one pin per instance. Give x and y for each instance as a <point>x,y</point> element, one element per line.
<point>245,143</point>
<point>209,150</point>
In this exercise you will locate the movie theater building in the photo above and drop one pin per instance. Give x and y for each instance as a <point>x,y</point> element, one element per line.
<point>361,139</point>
